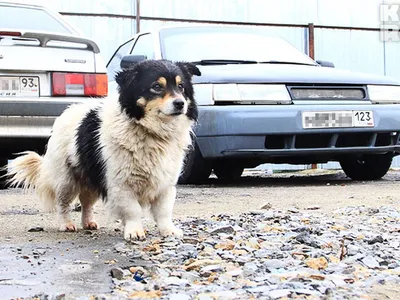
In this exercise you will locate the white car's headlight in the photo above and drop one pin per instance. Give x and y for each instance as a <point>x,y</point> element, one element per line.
<point>384,93</point>
<point>208,94</point>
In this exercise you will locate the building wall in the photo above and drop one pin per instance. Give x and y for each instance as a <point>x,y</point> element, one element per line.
<point>348,49</point>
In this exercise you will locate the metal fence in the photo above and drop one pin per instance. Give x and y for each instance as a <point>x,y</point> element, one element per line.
<point>345,32</point>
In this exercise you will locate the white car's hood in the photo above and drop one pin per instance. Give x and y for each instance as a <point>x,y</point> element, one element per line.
<point>286,73</point>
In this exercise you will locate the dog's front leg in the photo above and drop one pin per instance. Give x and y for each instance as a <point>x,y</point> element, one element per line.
<point>162,209</point>
<point>125,204</point>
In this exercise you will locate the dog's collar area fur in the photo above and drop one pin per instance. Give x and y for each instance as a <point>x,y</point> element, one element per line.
<point>164,130</point>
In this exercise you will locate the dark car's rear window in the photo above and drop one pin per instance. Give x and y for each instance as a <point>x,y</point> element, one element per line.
<point>25,18</point>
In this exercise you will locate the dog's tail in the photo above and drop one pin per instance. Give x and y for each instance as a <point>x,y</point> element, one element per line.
<point>24,171</point>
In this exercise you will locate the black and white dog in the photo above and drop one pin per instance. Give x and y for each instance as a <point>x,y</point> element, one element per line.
<point>128,150</point>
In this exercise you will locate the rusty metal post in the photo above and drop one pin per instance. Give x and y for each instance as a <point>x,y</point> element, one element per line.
<point>137,16</point>
<point>311,53</point>
<point>311,40</point>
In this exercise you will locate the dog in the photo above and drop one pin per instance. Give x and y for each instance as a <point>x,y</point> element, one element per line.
<point>128,150</point>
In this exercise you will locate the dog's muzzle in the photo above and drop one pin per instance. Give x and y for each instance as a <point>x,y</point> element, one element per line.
<point>179,105</point>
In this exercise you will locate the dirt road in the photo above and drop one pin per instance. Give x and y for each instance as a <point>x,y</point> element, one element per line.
<point>61,266</point>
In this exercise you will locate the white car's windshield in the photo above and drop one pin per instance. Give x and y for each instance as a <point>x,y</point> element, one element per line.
<point>26,18</point>
<point>229,44</point>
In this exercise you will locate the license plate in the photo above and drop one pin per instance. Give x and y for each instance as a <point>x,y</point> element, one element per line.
<point>22,86</point>
<point>338,119</point>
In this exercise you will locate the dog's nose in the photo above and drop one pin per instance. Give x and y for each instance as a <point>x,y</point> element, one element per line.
<point>179,103</point>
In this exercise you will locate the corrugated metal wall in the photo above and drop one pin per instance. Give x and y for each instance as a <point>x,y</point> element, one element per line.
<point>357,50</point>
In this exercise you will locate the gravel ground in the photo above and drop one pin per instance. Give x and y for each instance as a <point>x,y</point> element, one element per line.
<point>276,247</point>
<point>267,255</point>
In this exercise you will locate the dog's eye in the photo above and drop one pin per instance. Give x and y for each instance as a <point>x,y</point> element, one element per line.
<point>157,87</point>
<point>181,87</point>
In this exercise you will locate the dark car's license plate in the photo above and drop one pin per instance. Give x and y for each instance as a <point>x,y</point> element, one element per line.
<point>337,119</point>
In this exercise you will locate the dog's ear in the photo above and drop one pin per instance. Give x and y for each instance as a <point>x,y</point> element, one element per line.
<point>190,68</point>
<point>125,77</point>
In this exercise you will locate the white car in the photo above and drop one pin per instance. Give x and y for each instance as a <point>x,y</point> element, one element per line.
<point>45,65</point>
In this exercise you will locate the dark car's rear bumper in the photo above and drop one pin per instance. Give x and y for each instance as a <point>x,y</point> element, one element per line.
<point>272,132</point>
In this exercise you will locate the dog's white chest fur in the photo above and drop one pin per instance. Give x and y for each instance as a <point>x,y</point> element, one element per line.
<point>147,159</point>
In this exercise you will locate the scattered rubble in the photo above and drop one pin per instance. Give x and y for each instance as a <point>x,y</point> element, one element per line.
<point>269,254</point>
<point>266,254</point>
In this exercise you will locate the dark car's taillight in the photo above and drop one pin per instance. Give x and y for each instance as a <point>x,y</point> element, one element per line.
<point>79,84</point>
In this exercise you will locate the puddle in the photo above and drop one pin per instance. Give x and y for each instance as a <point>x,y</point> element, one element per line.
<point>63,268</point>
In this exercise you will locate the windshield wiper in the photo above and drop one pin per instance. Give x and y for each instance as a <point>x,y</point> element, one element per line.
<point>206,62</point>
<point>278,62</point>
<point>209,62</point>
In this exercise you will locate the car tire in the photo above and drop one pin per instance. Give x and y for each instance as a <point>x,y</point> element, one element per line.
<point>196,169</point>
<point>369,167</point>
<point>228,171</point>
<point>3,172</point>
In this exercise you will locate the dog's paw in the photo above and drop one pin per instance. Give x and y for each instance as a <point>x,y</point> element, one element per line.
<point>133,233</point>
<point>92,225</point>
<point>171,231</point>
<point>68,227</point>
